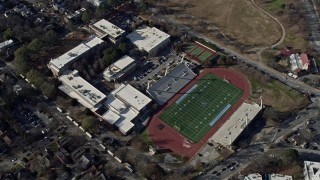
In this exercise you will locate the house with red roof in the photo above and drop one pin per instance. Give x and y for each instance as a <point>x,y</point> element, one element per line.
<point>304,61</point>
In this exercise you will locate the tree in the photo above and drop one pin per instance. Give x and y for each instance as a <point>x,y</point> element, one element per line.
<point>22,52</point>
<point>35,77</point>
<point>85,17</point>
<point>143,5</point>
<point>51,37</point>
<point>124,48</point>
<point>70,26</point>
<point>48,89</point>
<point>35,45</point>
<point>112,3</point>
<point>178,48</point>
<point>8,34</point>
<point>88,122</point>
<point>20,58</point>
<point>110,55</point>
<point>20,65</point>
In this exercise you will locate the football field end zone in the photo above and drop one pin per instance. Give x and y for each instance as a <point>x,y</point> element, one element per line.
<point>169,138</point>
<point>224,110</point>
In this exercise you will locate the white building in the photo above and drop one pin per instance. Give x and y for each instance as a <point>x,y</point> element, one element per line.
<point>123,105</point>
<point>119,69</point>
<point>311,170</point>
<point>149,39</point>
<point>62,63</point>
<point>234,126</point>
<point>297,62</point>
<point>78,88</point>
<point>104,28</point>
<point>6,44</point>
<point>254,176</point>
<point>96,2</point>
<point>279,177</point>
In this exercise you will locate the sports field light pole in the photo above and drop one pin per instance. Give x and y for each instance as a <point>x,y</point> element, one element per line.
<point>230,137</point>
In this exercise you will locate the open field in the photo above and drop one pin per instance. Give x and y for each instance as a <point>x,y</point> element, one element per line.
<point>238,19</point>
<point>281,97</point>
<point>195,112</point>
<point>291,17</point>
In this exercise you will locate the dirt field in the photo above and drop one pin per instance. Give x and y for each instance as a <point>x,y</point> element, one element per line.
<point>291,16</point>
<point>238,19</point>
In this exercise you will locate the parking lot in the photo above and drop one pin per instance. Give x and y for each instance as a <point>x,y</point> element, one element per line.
<point>154,68</point>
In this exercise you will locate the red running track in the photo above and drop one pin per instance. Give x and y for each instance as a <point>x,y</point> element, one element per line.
<point>170,139</point>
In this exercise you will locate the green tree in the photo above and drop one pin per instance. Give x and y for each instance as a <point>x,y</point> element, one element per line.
<point>8,34</point>
<point>49,89</point>
<point>143,5</point>
<point>35,77</point>
<point>110,55</point>
<point>112,3</point>
<point>35,45</point>
<point>178,48</point>
<point>22,52</point>
<point>20,59</point>
<point>70,26</point>
<point>88,122</point>
<point>85,16</point>
<point>20,65</point>
<point>51,37</point>
<point>124,48</point>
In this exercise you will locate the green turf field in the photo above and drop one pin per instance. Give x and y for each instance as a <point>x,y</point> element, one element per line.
<point>197,51</point>
<point>194,113</point>
<point>204,56</point>
<point>190,48</point>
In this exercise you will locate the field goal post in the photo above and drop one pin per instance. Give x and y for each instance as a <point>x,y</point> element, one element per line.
<point>176,127</point>
<point>186,143</point>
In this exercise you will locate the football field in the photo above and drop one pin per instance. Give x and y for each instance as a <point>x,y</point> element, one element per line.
<point>197,110</point>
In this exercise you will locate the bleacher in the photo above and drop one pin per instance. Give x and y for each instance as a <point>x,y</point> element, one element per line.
<point>166,87</point>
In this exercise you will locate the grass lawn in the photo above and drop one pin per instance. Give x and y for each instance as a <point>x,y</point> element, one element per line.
<point>196,111</point>
<point>277,95</point>
<point>276,4</point>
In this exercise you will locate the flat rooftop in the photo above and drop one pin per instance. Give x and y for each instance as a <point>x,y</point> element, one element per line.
<point>82,88</point>
<point>119,111</point>
<point>311,170</point>
<point>254,176</point>
<point>169,85</point>
<point>133,97</point>
<point>108,28</point>
<point>279,177</point>
<point>233,127</point>
<point>147,38</point>
<point>123,62</point>
<point>6,43</point>
<point>75,52</point>
<point>118,66</point>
